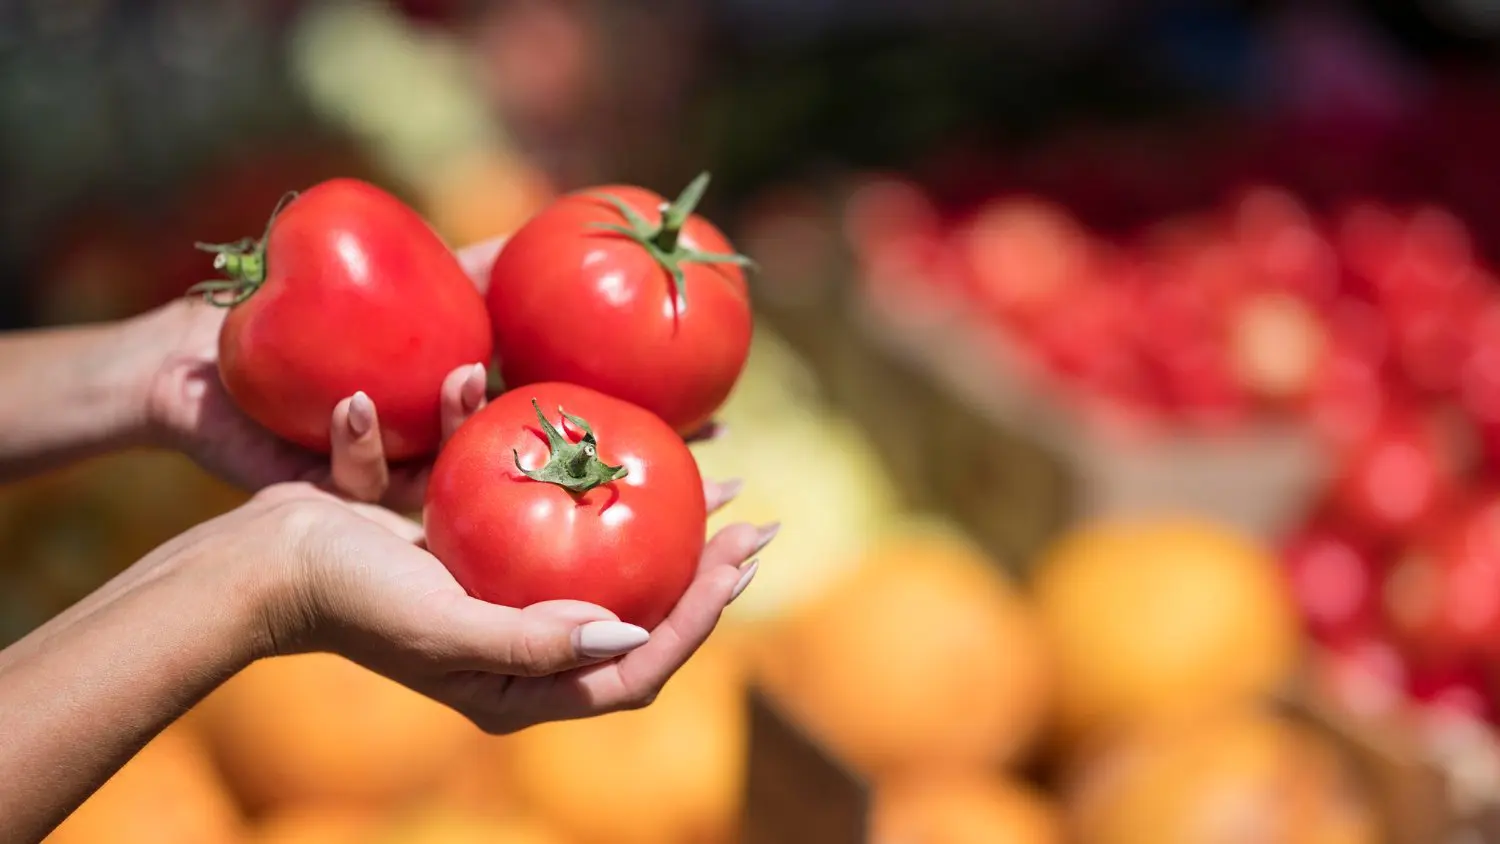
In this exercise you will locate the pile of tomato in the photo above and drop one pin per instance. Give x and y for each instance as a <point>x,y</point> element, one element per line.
<point>1374,325</point>
<point>618,323</point>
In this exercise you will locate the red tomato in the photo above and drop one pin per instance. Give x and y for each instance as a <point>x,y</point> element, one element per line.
<point>349,290</point>
<point>1335,582</point>
<point>1395,477</point>
<point>623,528</point>
<point>1442,596</point>
<point>602,290</point>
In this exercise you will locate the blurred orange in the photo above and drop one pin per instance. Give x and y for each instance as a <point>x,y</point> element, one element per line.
<point>317,824</point>
<point>168,794</point>
<point>926,656</point>
<point>446,827</point>
<point>316,728</point>
<point>671,773</point>
<point>972,808</point>
<point>1156,619</point>
<point>1244,776</point>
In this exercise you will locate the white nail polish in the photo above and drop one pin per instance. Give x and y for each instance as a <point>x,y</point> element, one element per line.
<point>599,639</point>
<point>745,578</point>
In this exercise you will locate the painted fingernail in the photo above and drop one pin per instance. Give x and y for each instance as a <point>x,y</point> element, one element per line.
<point>361,414</point>
<point>599,639</point>
<point>764,535</point>
<point>747,573</point>
<point>473,390</point>
<point>729,489</point>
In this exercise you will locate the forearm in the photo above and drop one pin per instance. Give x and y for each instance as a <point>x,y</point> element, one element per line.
<point>68,393</point>
<point>81,695</point>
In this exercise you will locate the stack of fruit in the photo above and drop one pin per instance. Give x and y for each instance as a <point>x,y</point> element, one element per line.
<point>1135,674</point>
<point>1260,307</point>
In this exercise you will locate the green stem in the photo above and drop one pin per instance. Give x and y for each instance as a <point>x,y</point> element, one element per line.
<point>575,467</point>
<point>243,262</point>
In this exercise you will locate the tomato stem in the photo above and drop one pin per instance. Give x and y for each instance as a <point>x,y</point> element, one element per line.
<point>663,241</point>
<point>575,467</point>
<point>244,262</point>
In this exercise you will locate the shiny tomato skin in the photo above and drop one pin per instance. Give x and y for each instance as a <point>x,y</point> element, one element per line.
<point>360,294</point>
<point>631,545</point>
<point>572,303</point>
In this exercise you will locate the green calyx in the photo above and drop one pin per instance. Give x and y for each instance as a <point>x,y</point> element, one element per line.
<point>663,240</point>
<point>575,467</point>
<point>243,262</point>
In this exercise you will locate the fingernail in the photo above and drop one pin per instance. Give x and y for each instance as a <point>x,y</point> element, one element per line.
<point>599,639</point>
<point>729,489</point>
<point>473,389</point>
<point>748,573</point>
<point>764,535</point>
<point>361,414</point>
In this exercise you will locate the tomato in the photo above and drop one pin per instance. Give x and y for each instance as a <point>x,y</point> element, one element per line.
<point>348,290</point>
<point>1442,597</point>
<point>555,491</point>
<point>1335,581</point>
<point>602,290</point>
<point>1395,477</point>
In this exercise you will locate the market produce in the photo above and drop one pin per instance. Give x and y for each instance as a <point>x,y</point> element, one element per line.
<point>348,290</point>
<point>1159,619</point>
<point>614,289</point>
<point>440,827</point>
<point>795,455</point>
<point>317,824</point>
<point>963,808</point>
<point>169,793</point>
<point>318,729</point>
<point>555,491</point>
<point>1233,777</point>
<point>923,656</point>
<point>672,773</point>
<point>1443,590</point>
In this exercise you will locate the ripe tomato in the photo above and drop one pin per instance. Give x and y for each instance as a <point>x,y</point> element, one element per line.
<point>348,290</point>
<point>604,290</point>
<point>1442,596</point>
<point>1394,478</point>
<point>604,506</point>
<point>1335,581</point>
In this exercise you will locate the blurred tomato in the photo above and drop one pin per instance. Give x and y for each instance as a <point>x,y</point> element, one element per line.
<point>1459,687</point>
<point>1393,478</point>
<point>1335,581</point>
<point>1442,596</point>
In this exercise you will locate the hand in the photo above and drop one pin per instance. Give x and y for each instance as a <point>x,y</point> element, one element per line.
<point>189,409</point>
<point>353,579</point>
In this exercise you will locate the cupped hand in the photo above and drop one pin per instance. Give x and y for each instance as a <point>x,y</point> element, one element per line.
<point>357,581</point>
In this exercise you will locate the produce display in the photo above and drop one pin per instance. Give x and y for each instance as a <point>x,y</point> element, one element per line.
<point>1320,259</point>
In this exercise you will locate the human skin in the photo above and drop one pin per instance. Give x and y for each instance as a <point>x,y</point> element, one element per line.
<point>296,569</point>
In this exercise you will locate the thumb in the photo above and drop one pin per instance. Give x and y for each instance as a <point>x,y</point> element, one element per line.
<point>542,639</point>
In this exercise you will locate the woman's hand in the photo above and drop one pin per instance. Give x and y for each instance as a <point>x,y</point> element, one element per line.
<point>355,580</point>
<point>188,408</point>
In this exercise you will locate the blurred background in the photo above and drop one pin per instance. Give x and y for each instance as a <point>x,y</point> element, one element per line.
<point>1127,379</point>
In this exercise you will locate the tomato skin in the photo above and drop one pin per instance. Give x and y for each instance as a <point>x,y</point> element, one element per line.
<point>631,545</point>
<point>576,304</point>
<point>360,294</point>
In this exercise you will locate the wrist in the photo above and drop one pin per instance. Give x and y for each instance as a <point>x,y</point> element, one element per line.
<point>136,350</point>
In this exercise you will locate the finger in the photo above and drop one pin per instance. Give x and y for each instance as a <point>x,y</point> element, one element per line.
<point>635,680</point>
<point>710,431</point>
<point>540,640</point>
<point>462,396</point>
<point>717,494</point>
<point>359,470</point>
<point>477,258</point>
